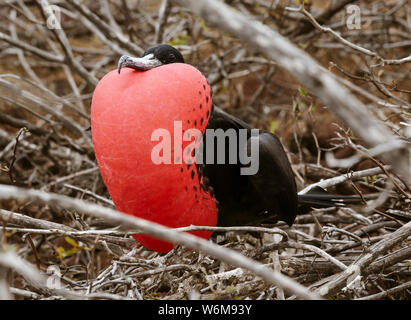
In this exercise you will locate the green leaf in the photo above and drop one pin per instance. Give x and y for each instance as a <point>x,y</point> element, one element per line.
<point>203,25</point>
<point>180,40</point>
<point>407,114</point>
<point>63,253</point>
<point>223,90</point>
<point>273,126</point>
<point>230,289</point>
<point>71,241</point>
<point>305,2</point>
<point>302,91</point>
<point>60,252</point>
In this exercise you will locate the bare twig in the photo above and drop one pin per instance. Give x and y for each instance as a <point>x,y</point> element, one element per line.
<point>21,132</point>
<point>340,179</point>
<point>388,292</point>
<point>162,20</point>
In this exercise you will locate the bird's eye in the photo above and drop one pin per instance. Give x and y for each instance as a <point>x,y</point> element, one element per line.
<point>171,57</point>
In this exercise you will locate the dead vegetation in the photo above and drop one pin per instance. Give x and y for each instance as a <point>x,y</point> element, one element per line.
<point>52,248</point>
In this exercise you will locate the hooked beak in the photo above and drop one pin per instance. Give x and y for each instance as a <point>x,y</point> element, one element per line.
<point>145,63</point>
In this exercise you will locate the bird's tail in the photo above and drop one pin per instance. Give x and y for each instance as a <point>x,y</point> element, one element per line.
<point>319,198</point>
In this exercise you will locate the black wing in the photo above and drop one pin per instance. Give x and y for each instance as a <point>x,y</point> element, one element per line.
<point>274,182</point>
<point>250,199</point>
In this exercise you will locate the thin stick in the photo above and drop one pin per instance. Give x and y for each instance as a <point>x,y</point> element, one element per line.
<point>388,292</point>
<point>89,193</point>
<point>70,176</point>
<point>162,20</point>
<point>21,131</point>
<point>230,229</point>
<point>345,177</point>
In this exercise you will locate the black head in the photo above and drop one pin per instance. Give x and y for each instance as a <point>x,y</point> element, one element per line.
<point>153,57</point>
<point>165,53</point>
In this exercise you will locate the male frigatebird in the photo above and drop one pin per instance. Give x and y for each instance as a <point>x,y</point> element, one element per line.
<point>160,91</point>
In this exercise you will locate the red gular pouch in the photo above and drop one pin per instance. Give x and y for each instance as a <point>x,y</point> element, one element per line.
<point>145,125</point>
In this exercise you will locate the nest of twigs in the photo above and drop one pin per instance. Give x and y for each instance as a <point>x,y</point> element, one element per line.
<point>52,249</point>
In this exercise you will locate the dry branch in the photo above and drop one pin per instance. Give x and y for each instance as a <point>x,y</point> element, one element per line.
<point>340,179</point>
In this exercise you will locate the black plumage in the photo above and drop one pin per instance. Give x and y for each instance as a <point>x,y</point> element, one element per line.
<point>251,199</point>
<point>271,193</point>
